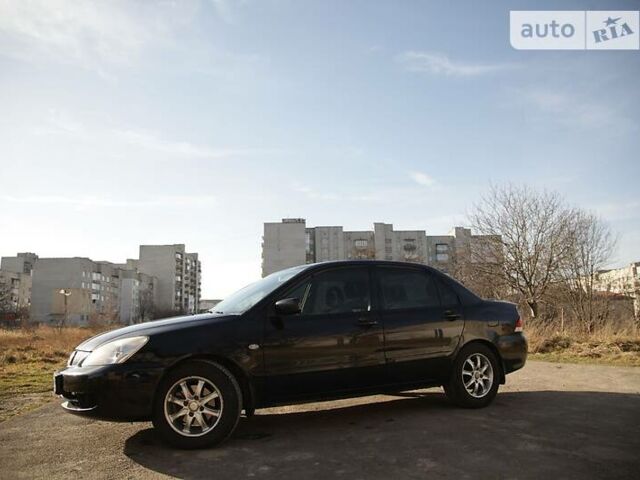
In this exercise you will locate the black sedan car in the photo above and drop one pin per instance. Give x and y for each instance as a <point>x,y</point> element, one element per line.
<point>313,332</point>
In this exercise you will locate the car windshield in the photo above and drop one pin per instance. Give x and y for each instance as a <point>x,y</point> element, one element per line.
<point>247,297</point>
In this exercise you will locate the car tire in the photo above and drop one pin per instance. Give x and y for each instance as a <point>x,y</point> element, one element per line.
<point>197,405</point>
<point>475,377</point>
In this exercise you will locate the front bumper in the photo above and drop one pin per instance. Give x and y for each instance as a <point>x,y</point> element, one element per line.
<point>113,392</point>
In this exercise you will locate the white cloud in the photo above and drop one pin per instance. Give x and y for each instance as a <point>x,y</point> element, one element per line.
<point>93,34</point>
<point>315,194</point>
<point>61,123</point>
<point>574,110</point>
<point>86,202</point>
<point>619,211</point>
<point>422,179</point>
<point>439,64</point>
<point>150,141</point>
<point>226,9</point>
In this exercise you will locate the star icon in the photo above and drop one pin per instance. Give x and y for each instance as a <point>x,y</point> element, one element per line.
<point>611,21</point>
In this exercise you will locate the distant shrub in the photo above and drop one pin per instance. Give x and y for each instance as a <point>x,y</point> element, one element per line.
<point>554,344</point>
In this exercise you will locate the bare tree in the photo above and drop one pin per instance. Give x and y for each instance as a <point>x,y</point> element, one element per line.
<point>6,302</point>
<point>105,315</point>
<point>146,309</point>
<point>530,232</point>
<point>592,245</point>
<point>7,306</point>
<point>484,279</point>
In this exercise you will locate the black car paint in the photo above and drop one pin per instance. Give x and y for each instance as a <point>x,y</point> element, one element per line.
<point>355,354</point>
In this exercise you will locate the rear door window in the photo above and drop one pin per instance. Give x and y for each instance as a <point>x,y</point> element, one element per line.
<point>403,288</point>
<point>448,296</point>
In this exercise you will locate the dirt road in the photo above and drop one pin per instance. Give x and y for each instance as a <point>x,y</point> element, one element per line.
<point>549,421</point>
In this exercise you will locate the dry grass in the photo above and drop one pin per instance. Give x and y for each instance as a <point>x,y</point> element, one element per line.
<point>571,344</point>
<point>28,359</point>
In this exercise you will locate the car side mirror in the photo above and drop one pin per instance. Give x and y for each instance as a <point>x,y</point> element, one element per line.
<point>288,306</point>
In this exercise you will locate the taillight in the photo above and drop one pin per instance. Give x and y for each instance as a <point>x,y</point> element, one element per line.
<point>519,325</point>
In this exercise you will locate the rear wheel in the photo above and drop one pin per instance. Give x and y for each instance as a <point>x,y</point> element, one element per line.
<point>197,405</point>
<point>475,377</point>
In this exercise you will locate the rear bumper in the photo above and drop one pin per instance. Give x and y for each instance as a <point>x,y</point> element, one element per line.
<point>513,350</point>
<point>113,392</point>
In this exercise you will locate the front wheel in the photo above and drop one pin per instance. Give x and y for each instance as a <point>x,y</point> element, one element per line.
<point>197,405</point>
<point>475,377</point>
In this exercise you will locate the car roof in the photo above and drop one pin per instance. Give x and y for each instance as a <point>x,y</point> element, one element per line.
<point>366,262</point>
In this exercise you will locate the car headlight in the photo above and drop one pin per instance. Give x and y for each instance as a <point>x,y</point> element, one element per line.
<point>117,351</point>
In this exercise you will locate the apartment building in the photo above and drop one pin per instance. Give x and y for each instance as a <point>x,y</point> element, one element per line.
<point>290,242</point>
<point>164,280</point>
<point>75,290</point>
<point>136,296</point>
<point>178,275</point>
<point>16,287</point>
<point>21,263</point>
<point>15,280</point>
<point>79,290</point>
<point>625,281</point>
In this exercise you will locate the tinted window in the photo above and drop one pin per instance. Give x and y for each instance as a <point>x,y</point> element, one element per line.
<point>338,291</point>
<point>247,297</point>
<point>447,294</point>
<point>407,289</point>
<point>301,292</point>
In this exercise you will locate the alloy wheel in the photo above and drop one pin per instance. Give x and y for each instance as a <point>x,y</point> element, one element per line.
<point>477,375</point>
<point>193,406</point>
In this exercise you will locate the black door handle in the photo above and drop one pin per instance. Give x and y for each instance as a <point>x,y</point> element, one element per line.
<point>451,315</point>
<point>366,322</point>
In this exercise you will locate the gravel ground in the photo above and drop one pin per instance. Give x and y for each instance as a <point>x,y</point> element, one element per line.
<point>549,421</point>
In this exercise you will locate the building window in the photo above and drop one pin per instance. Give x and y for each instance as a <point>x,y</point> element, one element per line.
<point>361,243</point>
<point>442,252</point>
<point>410,247</point>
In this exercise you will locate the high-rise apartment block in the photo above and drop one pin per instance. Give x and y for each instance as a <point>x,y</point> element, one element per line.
<point>15,280</point>
<point>291,242</point>
<point>21,263</point>
<point>178,274</point>
<point>79,291</point>
<point>165,280</point>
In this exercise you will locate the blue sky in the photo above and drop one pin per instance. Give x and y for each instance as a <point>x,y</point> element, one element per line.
<point>196,121</point>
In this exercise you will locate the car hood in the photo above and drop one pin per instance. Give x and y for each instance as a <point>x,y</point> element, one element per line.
<point>150,328</point>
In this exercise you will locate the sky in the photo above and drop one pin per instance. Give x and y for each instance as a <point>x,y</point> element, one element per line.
<point>141,122</point>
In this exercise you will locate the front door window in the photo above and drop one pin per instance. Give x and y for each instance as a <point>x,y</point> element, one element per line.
<point>344,290</point>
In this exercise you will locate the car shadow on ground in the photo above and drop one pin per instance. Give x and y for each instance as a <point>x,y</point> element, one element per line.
<point>521,435</point>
